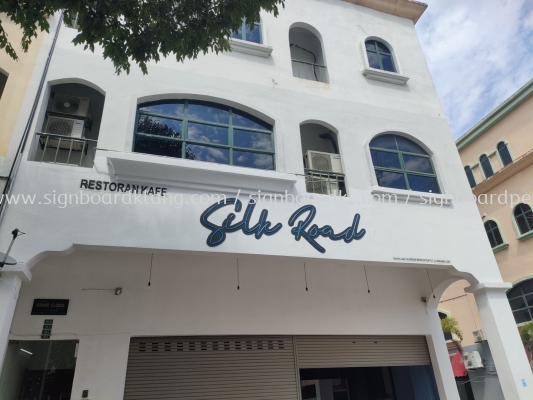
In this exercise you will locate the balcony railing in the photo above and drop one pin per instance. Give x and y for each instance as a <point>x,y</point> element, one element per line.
<point>60,149</point>
<point>310,71</point>
<point>321,182</point>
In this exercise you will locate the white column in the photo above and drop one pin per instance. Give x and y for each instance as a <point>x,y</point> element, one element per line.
<point>9,292</point>
<point>442,367</point>
<point>502,335</point>
<point>101,366</point>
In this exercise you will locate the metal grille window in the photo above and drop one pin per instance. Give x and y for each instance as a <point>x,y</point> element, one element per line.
<point>246,32</point>
<point>493,233</point>
<point>521,301</point>
<point>402,164</point>
<point>486,166</point>
<point>379,56</point>
<point>524,218</point>
<point>505,155</point>
<point>204,132</point>
<point>470,176</point>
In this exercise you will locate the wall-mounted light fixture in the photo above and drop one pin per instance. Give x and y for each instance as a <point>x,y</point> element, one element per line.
<point>117,291</point>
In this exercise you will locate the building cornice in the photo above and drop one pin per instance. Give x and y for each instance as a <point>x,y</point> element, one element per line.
<point>409,9</point>
<point>496,115</point>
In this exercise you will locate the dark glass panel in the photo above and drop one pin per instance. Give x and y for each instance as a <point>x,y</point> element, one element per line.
<point>391,179</point>
<point>387,63</point>
<point>489,225</point>
<point>208,112</point>
<point>247,121</point>
<point>505,155</point>
<point>522,316</point>
<point>207,133</point>
<point>252,140</point>
<point>487,168</point>
<point>470,176</point>
<point>514,292</point>
<point>253,35</point>
<point>420,183</point>
<point>382,48</point>
<point>159,126</point>
<point>237,34</point>
<point>409,146</point>
<point>384,142</point>
<point>253,160</point>
<point>491,239</point>
<point>497,236</point>
<point>373,60</point>
<point>527,286</point>
<point>370,45</point>
<point>518,303</point>
<point>442,315</point>
<point>157,147</point>
<point>385,159</point>
<point>210,154</point>
<point>529,300</point>
<point>170,109</point>
<point>522,224</point>
<point>417,164</point>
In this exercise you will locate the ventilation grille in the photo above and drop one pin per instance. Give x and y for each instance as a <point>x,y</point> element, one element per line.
<point>60,126</point>
<point>321,162</point>
<point>200,346</point>
<point>66,104</point>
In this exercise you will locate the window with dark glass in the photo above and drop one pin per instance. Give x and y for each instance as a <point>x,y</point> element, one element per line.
<point>400,163</point>
<point>3,81</point>
<point>521,301</point>
<point>486,166</point>
<point>524,218</point>
<point>493,233</point>
<point>447,335</point>
<point>505,155</point>
<point>379,56</point>
<point>246,32</point>
<point>204,132</point>
<point>470,176</point>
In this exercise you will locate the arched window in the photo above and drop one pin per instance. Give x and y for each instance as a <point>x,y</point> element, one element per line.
<point>486,166</point>
<point>402,164</point>
<point>493,232</point>
<point>505,155</point>
<point>521,301</point>
<point>204,131</point>
<point>307,55</point>
<point>245,32</point>
<point>379,56</point>
<point>470,176</point>
<point>3,80</point>
<point>524,218</point>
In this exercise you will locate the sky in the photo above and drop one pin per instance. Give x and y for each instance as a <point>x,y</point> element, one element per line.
<point>479,53</point>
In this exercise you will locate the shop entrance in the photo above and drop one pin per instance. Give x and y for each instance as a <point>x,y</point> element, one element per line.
<point>38,370</point>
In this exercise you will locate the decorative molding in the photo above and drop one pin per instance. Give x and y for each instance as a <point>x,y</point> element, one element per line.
<point>385,76</point>
<point>255,49</point>
<point>500,247</point>
<point>525,236</point>
<point>504,286</point>
<point>409,9</point>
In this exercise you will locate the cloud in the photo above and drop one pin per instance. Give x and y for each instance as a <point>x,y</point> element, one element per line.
<point>479,53</point>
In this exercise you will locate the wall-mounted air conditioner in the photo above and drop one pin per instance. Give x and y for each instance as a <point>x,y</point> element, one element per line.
<point>320,161</point>
<point>69,127</point>
<point>72,105</point>
<point>472,360</point>
<point>315,184</point>
<point>479,336</point>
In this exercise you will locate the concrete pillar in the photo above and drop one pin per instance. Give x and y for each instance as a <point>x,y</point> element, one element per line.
<point>101,366</point>
<point>9,292</point>
<point>502,335</point>
<point>442,367</point>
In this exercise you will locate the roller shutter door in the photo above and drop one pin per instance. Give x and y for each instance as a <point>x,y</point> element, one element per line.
<point>361,351</point>
<point>211,368</point>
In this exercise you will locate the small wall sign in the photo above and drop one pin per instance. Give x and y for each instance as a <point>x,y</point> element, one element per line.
<point>47,329</point>
<point>49,307</point>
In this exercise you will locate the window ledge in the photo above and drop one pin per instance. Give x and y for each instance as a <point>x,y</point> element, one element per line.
<point>198,175</point>
<point>525,236</point>
<point>385,76</point>
<point>255,49</point>
<point>434,199</point>
<point>500,247</point>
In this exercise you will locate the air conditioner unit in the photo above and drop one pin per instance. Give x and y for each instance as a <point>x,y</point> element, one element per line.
<point>70,128</point>
<point>318,185</point>
<point>320,161</point>
<point>72,105</point>
<point>479,336</point>
<point>472,360</point>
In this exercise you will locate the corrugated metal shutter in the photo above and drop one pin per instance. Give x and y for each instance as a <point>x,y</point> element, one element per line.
<point>211,368</point>
<point>361,351</point>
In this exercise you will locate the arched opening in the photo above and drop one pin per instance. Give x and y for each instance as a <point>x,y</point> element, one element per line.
<point>3,80</point>
<point>470,176</point>
<point>71,126</point>
<point>307,55</point>
<point>505,154</point>
<point>486,166</point>
<point>379,55</point>
<point>324,172</point>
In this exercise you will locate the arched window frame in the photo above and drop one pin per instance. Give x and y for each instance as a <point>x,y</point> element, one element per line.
<point>503,165</point>
<point>322,69</point>
<point>473,176</point>
<point>521,296</point>
<point>397,77</point>
<point>501,246</point>
<point>481,165</point>
<point>526,235</point>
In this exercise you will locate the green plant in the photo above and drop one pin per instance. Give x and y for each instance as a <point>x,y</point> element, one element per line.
<point>450,325</point>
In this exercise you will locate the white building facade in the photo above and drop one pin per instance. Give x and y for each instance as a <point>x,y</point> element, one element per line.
<point>187,242</point>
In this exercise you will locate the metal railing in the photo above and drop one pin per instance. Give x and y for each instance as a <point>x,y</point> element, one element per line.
<point>310,71</point>
<point>321,182</point>
<point>59,149</point>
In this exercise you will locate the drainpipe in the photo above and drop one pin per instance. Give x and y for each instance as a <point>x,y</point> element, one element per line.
<point>18,157</point>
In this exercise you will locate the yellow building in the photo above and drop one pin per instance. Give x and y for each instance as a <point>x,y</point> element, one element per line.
<point>14,79</point>
<point>497,154</point>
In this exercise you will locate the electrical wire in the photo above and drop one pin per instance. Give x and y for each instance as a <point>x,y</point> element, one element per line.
<point>313,54</point>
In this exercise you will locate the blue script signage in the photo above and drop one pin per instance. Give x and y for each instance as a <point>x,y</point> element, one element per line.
<point>301,220</point>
